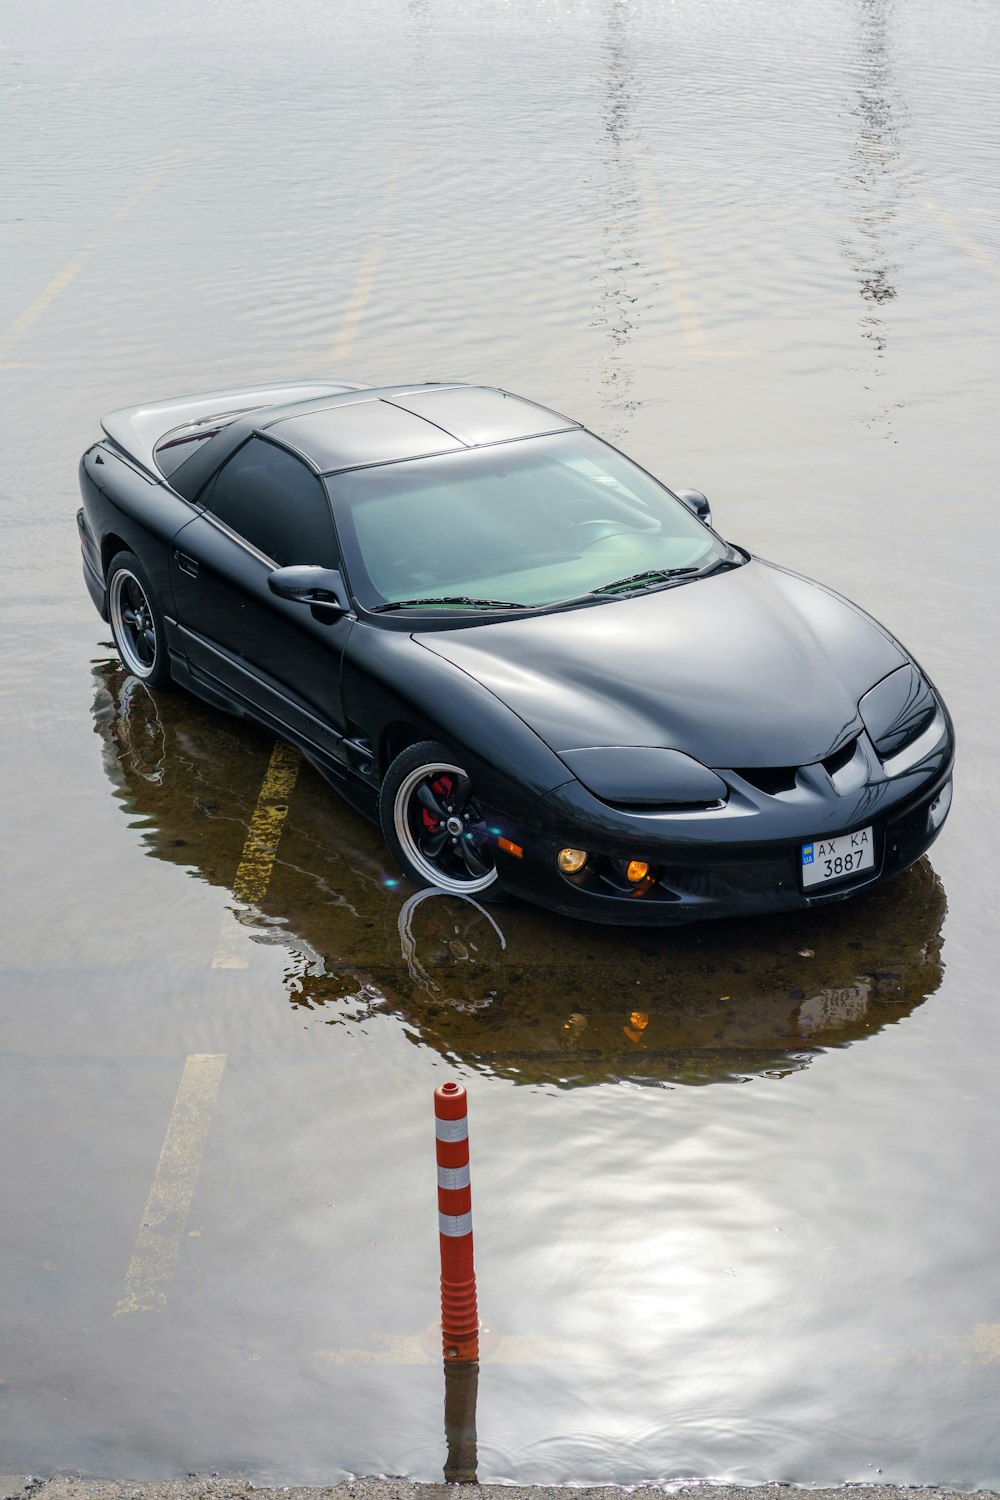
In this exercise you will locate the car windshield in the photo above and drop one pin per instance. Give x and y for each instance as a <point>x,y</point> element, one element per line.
<point>529,523</point>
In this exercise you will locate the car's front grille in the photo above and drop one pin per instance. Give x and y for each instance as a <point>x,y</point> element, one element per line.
<point>773,780</point>
<point>840,758</point>
<point>770,779</point>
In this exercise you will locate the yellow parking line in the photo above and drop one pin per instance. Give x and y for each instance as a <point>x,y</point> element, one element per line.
<point>680,290</point>
<point>253,874</point>
<point>73,267</point>
<point>981,1347</point>
<point>169,1203</point>
<point>344,342</point>
<point>351,322</point>
<point>410,1349</point>
<point>401,1350</point>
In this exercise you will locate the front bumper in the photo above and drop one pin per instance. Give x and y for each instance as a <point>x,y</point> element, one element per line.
<point>741,860</point>
<point>91,571</point>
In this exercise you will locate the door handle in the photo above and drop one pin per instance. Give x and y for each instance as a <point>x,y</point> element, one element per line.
<point>186,564</point>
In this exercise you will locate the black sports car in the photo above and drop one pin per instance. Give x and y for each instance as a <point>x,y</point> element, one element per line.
<point>537,667</point>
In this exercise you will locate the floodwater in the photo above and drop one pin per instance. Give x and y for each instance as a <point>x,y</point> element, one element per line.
<point>735,1187</point>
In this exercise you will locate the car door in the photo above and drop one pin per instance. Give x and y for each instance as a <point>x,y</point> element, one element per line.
<point>264,509</point>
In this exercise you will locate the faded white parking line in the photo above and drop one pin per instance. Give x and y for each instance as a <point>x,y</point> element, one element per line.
<point>167,1208</point>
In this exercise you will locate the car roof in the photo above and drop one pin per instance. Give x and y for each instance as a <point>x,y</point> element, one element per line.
<point>376,426</point>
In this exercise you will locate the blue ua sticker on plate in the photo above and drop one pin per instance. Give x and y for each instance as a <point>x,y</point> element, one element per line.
<point>827,860</point>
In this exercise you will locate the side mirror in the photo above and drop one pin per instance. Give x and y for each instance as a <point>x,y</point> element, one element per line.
<point>695,500</point>
<point>323,588</point>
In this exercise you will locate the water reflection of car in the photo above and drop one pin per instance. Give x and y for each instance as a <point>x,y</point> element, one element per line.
<point>538,668</point>
<point>497,988</point>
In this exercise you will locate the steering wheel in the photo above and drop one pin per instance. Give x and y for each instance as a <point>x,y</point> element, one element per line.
<point>422,560</point>
<point>617,529</point>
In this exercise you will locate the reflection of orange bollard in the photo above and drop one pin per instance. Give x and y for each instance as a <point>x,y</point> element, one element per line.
<point>638,1021</point>
<point>461,1384</point>
<point>459,1312</point>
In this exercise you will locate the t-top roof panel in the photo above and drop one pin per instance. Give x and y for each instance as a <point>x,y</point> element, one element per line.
<point>365,432</point>
<point>477,414</point>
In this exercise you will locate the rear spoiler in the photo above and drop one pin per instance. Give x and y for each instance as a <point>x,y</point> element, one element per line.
<point>136,430</point>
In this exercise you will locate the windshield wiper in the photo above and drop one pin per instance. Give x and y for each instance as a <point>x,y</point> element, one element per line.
<point>730,559</point>
<point>450,599</point>
<point>651,575</point>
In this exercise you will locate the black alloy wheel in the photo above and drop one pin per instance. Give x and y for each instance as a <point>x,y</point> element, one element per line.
<point>136,621</point>
<point>434,824</point>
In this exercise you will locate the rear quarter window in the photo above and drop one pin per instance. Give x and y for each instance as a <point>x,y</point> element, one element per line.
<point>173,450</point>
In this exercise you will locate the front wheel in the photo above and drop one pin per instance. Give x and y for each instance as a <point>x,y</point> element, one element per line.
<point>434,824</point>
<point>137,621</point>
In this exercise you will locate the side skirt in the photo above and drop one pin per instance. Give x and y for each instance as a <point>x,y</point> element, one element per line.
<point>359,793</point>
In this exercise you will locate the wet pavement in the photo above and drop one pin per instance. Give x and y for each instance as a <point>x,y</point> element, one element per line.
<point>734,1186</point>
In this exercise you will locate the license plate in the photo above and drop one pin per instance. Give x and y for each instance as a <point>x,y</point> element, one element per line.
<point>827,860</point>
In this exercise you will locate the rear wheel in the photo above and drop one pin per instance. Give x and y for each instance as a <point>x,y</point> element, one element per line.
<point>137,621</point>
<point>434,824</point>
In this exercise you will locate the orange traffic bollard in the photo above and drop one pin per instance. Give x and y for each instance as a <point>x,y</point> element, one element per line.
<point>459,1312</point>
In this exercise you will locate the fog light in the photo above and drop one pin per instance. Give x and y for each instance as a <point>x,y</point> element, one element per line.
<point>636,871</point>
<point>938,809</point>
<point>570,861</point>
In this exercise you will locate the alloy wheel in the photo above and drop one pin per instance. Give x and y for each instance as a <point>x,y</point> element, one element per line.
<point>441,828</point>
<point>132,623</point>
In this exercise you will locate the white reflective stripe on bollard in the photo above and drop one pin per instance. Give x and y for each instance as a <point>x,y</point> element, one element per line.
<point>453,1178</point>
<point>455,1225</point>
<point>452,1130</point>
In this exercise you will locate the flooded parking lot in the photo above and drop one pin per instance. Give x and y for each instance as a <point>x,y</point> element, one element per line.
<point>734,1185</point>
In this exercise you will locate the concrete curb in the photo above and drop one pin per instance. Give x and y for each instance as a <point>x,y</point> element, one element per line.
<point>64,1488</point>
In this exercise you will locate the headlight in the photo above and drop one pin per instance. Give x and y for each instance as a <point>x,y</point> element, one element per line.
<point>897,710</point>
<point>570,861</point>
<point>645,776</point>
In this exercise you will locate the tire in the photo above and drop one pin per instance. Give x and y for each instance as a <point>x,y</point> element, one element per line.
<point>137,621</point>
<point>434,825</point>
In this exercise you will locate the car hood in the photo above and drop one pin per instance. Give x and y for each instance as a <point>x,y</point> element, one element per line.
<point>747,668</point>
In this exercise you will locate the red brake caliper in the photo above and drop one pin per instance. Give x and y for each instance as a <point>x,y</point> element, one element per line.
<point>441,787</point>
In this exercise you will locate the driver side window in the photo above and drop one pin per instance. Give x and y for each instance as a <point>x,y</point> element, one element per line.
<point>276,503</point>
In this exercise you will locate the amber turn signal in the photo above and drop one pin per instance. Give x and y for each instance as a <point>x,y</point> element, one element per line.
<point>571,861</point>
<point>510,847</point>
<point>637,871</point>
